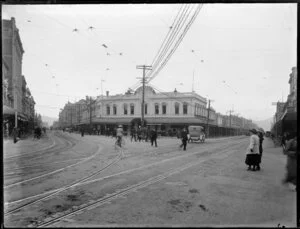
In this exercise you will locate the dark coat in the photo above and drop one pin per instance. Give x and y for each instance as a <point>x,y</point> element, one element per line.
<point>153,134</point>
<point>184,135</point>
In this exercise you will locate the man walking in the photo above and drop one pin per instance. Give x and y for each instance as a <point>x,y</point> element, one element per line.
<point>184,138</point>
<point>153,137</point>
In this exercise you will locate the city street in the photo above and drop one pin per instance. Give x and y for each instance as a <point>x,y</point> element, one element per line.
<point>65,180</point>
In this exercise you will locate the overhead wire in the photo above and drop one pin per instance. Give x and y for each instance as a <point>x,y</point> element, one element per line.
<point>178,26</point>
<point>167,37</point>
<point>170,35</point>
<point>177,43</point>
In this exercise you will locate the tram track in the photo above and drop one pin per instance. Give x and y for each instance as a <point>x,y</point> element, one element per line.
<point>75,210</point>
<point>88,158</point>
<point>84,181</point>
<point>115,160</point>
<point>53,149</point>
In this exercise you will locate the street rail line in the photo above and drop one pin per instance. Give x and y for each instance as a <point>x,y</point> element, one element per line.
<point>119,193</point>
<point>115,160</point>
<point>116,174</point>
<point>53,172</point>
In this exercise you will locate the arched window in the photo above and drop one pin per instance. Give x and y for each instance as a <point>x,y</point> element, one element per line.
<point>132,109</point>
<point>115,109</point>
<point>164,108</point>
<point>176,108</point>
<point>185,108</point>
<point>156,107</point>
<point>107,109</point>
<point>125,109</point>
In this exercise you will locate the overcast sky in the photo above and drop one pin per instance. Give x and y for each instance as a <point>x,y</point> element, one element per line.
<point>242,53</point>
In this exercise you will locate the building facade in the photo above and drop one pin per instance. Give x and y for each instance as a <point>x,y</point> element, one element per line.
<point>168,112</point>
<point>18,103</point>
<point>285,118</point>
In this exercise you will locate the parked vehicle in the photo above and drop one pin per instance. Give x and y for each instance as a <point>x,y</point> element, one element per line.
<point>196,133</point>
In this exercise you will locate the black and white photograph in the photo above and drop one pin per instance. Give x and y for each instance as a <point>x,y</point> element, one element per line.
<point>149,115</point>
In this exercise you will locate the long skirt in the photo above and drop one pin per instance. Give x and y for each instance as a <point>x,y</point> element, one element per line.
<point>252,159</point>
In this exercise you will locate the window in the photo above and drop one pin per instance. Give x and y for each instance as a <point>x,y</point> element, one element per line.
<point>131,109</point>
<point>164,108</point>
<point>115,109</point>
<point>176,108</point>
<point>156,109</point>
<point>125,109</point>
<point>185,108</point>
<point>107,109</point>
<point>146,108</point>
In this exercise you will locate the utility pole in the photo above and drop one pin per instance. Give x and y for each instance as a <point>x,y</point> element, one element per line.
<point>144,67</point>
<point>207,121</point>
<point>230,111</point>
<point>89,103</point>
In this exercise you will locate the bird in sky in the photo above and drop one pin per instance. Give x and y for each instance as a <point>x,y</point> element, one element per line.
<point>91,27</point>
<point>104,45</point>
<point>121,54</point>
<point>192,50</point>
<point>170,27</point>
<point>75,30</point>
<point>53,77</point>
<point>28,21</point>
<point>46,65</point>
<point>202,61</point>
<point>107,69</point>
<point>108,54</point>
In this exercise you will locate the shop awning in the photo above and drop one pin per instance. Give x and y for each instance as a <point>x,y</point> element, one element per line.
<point>22,117</point>
<point>290,116</point>
<point>8,110</point>
<point>174,120</point>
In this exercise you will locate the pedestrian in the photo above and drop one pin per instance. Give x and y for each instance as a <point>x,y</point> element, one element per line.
<point>252,153</point>
<point>133,134</point>
<point>261,139</point>
<point>184,138</point>
<point>15,134</point>
<point>82,131</point>
<point>139,134</point>
<point>285,137</point>
<point>153,137</point>
<point>291,165</point>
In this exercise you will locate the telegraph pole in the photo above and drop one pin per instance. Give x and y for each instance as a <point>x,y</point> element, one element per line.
<point>144,67</point>
<point>208,110</point>
<point>230,111</point>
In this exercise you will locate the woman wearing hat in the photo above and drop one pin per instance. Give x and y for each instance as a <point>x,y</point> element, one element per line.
<point>252,153</point>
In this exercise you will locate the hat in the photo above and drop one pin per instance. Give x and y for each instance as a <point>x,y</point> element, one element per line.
<point>253,131</point>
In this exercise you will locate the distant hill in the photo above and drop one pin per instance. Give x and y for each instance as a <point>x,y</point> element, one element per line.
<point>265,124</point>
<point>49,120</point>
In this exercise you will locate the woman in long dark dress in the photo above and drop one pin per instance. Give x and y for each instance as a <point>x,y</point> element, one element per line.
<point>252,153</point>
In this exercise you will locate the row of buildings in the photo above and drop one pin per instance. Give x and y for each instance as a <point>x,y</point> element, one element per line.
<point>285,118</point>
<point>168,112</point>
<point>18,102</point>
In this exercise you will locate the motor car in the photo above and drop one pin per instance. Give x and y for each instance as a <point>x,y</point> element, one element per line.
<point>196,134</point>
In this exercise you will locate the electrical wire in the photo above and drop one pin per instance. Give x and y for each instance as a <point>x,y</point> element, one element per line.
<point>178,26</point>
<point>177,43</point>
<point>167,37</point>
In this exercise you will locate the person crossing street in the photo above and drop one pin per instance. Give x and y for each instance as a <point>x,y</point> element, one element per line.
<point>153,137</point>
<point>184,138</point>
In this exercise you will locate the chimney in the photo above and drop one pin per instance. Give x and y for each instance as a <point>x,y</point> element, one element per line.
<point>107,93</point>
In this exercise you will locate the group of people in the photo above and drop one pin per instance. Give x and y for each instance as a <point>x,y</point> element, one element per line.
<point>289,146</point>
